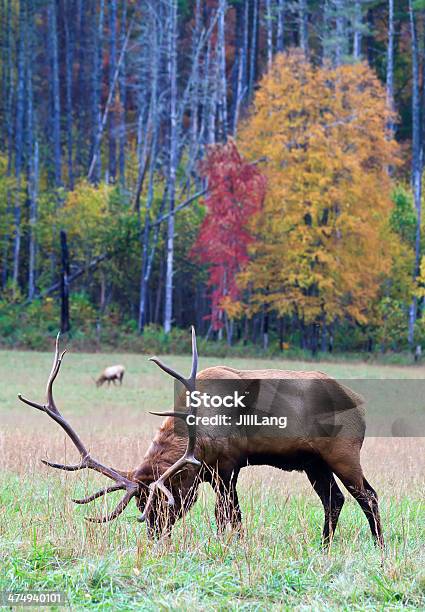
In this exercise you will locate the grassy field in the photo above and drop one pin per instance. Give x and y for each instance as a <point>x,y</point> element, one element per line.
<point>277,564</point>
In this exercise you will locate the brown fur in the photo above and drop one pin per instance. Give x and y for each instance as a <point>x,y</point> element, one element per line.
<point>222,460</point>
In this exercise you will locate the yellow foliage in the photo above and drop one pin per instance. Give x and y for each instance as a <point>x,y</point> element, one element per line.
<point>84,215</point>
<point>323,243</point>
<point>85,208</point>
<point>233,309</point>
<point>420,290</point>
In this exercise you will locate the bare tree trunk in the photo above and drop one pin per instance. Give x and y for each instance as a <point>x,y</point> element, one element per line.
<point>56,104</point>
<point>221,43</point>
<point>266,318</point>
<point>4,78</point>
<point>9,134</point>
<point>112,71</point>
<point>194,86</point>
<point>33,223</point>
<point>212,100</point>
<point>19,142</point>
<point>417,163</point>
<point>81,14</point>
<point>341,34</point>
<point>242,72</point>
<point>326,32</point>
<point>358,23</point>
<point>65,323</point>
<point>69,55</point>
<point>253,55</point>
<point>123,98</point>
<point>32,154</point>
<point>159,291</point>
<point>303,26</point>
<point>154,113</point>
<point>280,35</point>
<point>269,31</point>
<point>96,95</point>
<point>104,117</point>
<point>172,74</point>
<point>390,62</point>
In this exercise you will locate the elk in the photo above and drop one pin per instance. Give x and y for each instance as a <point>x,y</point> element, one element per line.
<point>112,374</point>
<point>165,484</point>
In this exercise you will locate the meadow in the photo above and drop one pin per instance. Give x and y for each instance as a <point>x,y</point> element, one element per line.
<point>278,563</point>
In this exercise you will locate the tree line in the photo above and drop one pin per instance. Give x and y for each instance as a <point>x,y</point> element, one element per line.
<point>110,114</point>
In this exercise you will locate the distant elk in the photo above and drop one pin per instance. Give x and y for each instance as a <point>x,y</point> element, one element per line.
<point>112,374</point>
<point>165,485</point>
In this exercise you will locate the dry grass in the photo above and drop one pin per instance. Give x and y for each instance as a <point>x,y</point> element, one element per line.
<point>45,543</point>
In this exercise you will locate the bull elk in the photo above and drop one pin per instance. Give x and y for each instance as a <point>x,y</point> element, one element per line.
<point>111,374</point>
<point>165,484</point>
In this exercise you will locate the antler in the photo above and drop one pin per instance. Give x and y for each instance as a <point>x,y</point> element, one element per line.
<point>188,457</point>
<point>121,482</point>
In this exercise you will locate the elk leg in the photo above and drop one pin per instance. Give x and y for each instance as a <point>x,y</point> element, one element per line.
<point>365,496</point>
<point>331,496</point>
<point>227,509</point>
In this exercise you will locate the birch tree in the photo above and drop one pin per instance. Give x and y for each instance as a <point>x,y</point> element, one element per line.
<point>96,83</point>
<point>9,95</point>
<point>303,26</point>
<point>32,155</point>
<point>155,38</point>
<point>417,161</point>
<point>280,34</point>
<point>19,143</point>
<point>69,55</point>
<point>123,97</point>
<point>171,183</point>
<point>269,33</point>
<point>358,31</point>
<point>55,94</point>
<point>221,53</point>
<point>390,61</point>
<point>112,70</point>
<point>253,48</point>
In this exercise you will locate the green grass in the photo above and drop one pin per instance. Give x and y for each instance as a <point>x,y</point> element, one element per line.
<point>278,563</point>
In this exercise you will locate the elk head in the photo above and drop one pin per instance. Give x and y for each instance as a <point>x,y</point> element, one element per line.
<point>144,484</point>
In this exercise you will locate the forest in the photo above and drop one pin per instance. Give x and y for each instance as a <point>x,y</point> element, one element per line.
<point>250,167</point>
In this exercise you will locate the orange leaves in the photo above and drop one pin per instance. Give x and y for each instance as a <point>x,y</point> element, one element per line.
<point>322,240</point>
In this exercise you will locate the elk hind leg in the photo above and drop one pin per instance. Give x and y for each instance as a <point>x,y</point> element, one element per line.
<point>331,496</point>
<point>352,477</point>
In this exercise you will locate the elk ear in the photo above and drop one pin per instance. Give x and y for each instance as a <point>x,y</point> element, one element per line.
<point>144,475</point>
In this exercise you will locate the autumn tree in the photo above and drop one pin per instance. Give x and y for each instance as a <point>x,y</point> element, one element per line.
<point>236,193</point>
<point>323,238</point>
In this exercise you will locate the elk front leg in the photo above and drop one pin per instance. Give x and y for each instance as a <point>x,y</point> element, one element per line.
<point>227,510</point>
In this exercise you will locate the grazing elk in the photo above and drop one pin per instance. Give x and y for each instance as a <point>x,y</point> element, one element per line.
<point>173,467</point>
<point>112,374</point>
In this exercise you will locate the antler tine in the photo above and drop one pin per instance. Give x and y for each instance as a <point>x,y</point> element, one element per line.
<point>121,481</point>
<point>188,457</point>
<point>116,512</point>
<point>104,491</point>
<point>190,382</point>
<point>194,370</point>
<point>57,362</point>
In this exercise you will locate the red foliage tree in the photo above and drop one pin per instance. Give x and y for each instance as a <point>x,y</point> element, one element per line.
<point>236,190</point>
